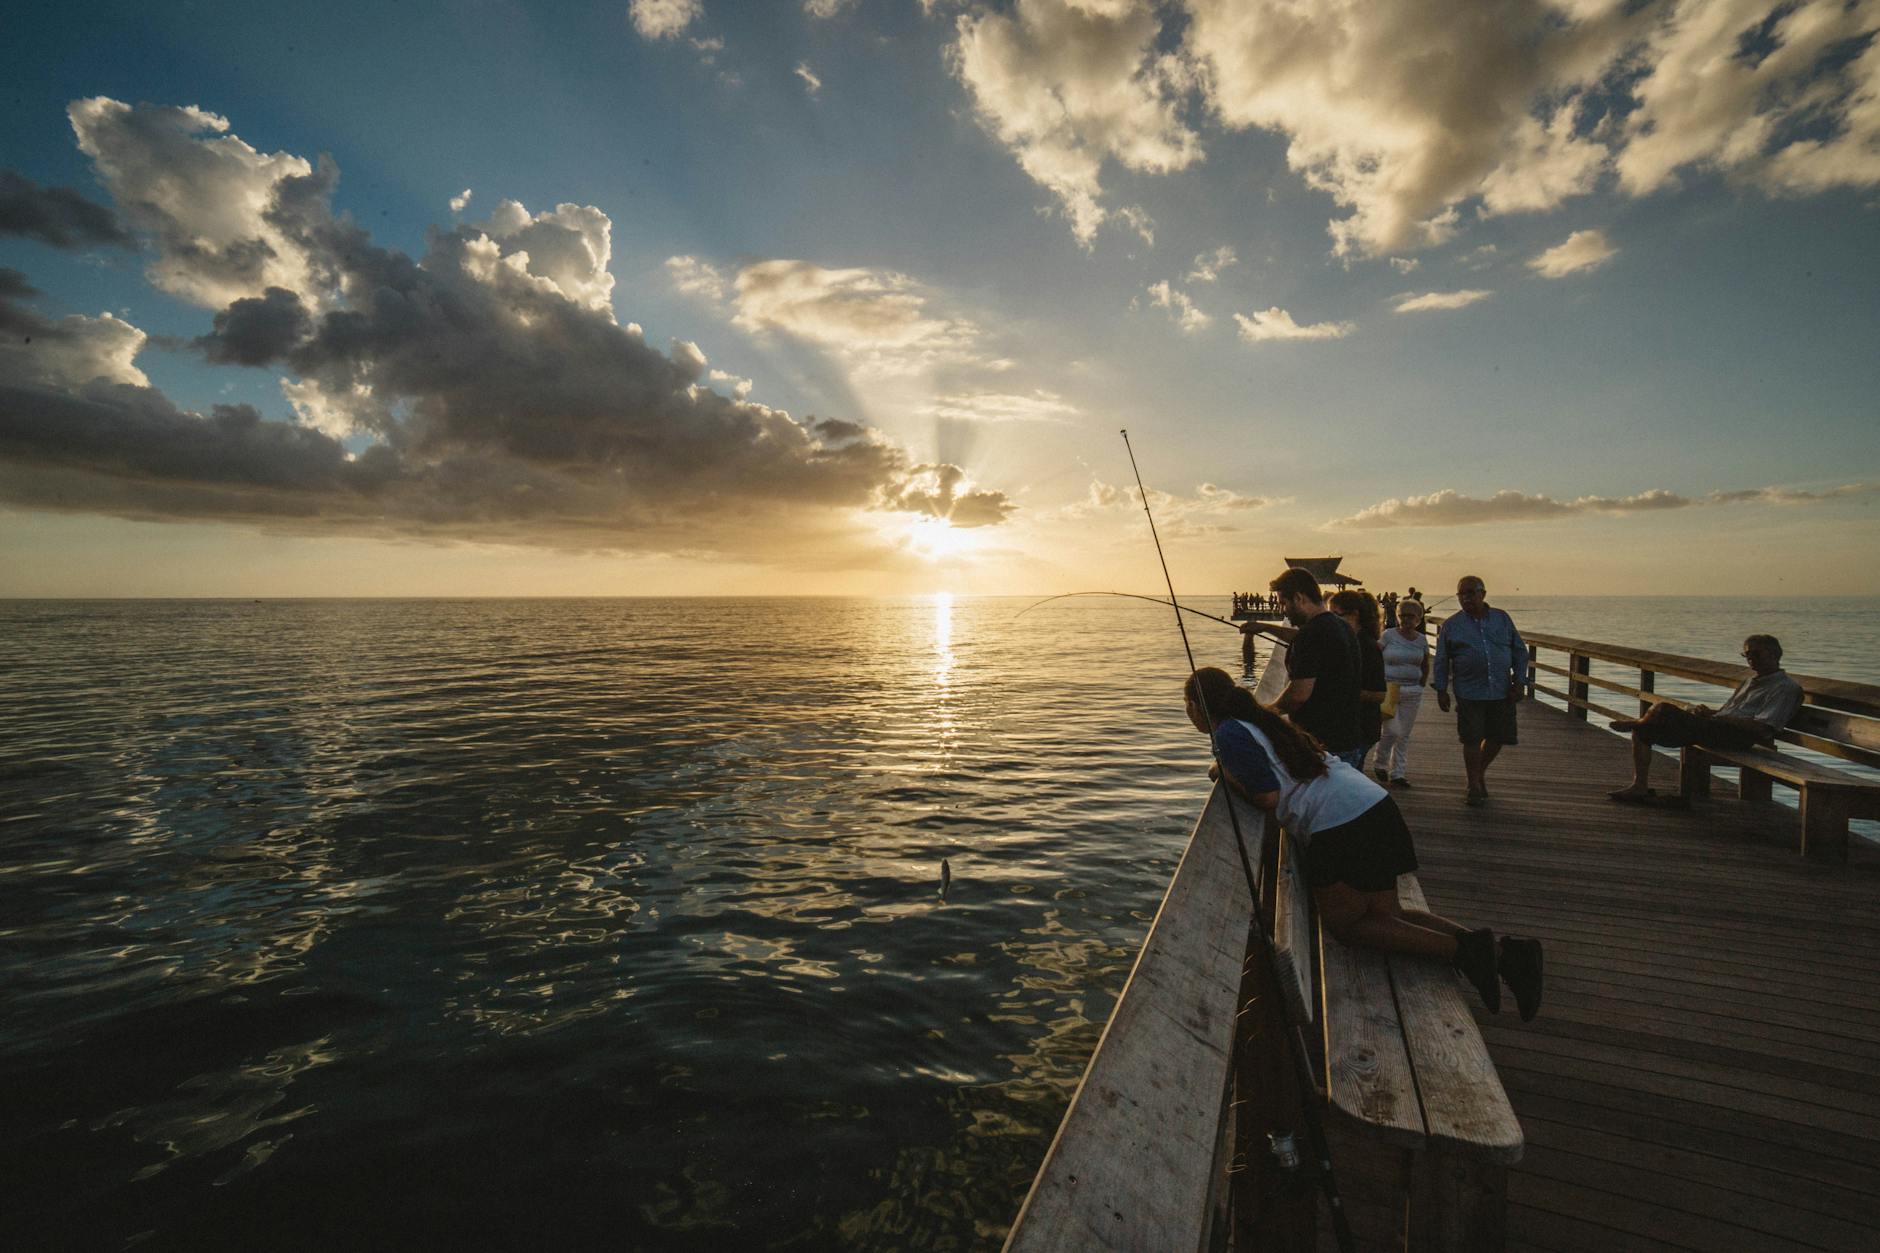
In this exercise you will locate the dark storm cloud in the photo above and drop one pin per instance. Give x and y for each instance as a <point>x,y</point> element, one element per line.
<point>255,331</point>
<point>492,391</point>
<point>13,285</point>
<point>58,216</point>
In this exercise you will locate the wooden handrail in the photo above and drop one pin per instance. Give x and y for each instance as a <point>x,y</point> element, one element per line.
<point>1843,694</point>
<point>1140,1159</point>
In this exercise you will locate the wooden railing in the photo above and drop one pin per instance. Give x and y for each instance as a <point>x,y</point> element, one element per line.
<point>1141,1158</point>
<point>1840,718</point>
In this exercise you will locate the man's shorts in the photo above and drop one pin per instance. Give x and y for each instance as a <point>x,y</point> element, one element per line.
<point>1674,728</point>
<point>1478,720</point>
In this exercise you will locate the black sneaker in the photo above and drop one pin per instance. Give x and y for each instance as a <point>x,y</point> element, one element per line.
<point>1521,967</point>
<point>1400,783</point>
<point>1475,958</point>
<point>1382,776</point>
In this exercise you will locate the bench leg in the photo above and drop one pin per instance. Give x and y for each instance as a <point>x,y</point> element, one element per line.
<point>1825,813</point>
<point>1754,785</point>
<point>1457,1204</point>
<point>1693,774</point>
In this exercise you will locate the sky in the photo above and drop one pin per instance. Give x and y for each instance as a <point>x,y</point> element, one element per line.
<point>676,297</point>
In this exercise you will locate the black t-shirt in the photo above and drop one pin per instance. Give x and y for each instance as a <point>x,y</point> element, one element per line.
<point>1326,652</point>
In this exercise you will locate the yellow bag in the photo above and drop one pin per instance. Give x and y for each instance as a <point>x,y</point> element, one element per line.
<point>1391,692</point>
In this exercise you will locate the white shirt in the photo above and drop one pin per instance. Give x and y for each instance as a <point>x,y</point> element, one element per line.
<point>1403,658</point>
<point>1331,800</point>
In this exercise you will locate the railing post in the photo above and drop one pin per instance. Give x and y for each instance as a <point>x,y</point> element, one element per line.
<point>1533,661</point>
<point>1577,688</point>
<point>1647,682</point>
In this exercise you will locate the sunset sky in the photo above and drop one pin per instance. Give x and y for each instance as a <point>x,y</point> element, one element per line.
<point>852,296</point>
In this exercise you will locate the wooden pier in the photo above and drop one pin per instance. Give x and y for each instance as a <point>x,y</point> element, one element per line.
<point>1705,1073</point>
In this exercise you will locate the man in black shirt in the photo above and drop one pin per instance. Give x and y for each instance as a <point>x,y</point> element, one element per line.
<point>1322,666</point>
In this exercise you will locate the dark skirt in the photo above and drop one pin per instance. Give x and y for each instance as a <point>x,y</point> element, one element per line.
<point>1367,853</point>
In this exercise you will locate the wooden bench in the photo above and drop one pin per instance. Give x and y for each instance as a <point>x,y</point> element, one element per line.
<point>1422,1130</point>
<point>1830,798</point>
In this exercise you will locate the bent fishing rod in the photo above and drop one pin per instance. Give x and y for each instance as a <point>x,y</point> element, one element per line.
<point>1302,1063</point>
<point>1154,600</point>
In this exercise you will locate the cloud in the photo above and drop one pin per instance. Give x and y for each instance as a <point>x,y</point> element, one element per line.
<point>73,352</point>
<point>203,194</point>
<point>482,391</point>
<point>1418,115</point>
<point>739,386</point>
<point>944,491</point>
<point>1208,265</point>
<point>1276,323</point>
<point>663,19</point>
<point>1404,265</point>
<point>460,201</point>
<point>1440,300</point>
<point>1181,309</point>
<point>810,82</point>
<point>1450,508</point>
<point>1786,96</point>
<point>58,216</point>
<point>693,277</point>
<point>1210,511</point>
<point>1137,219</point>
<point>826,8</point>
<point>1582,250</point>
<point>1403,111</point>
<point>986,406</point>
<point>1069,85</point>
<point>876,319</point>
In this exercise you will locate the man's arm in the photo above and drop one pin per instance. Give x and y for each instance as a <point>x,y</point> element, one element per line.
<point>1439,667</point>
<point>1517,662</point>
<point>1297,693</point>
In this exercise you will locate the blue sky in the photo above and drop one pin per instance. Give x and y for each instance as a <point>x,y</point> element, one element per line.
<point>886,278</point>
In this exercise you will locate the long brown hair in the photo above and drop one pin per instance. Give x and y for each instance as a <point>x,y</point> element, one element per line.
<point>1362,603</point>
<point>1215,690</point>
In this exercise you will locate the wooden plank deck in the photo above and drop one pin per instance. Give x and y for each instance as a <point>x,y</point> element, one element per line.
<point>1705,1073</point>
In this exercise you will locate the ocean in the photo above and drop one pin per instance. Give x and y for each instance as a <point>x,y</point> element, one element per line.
<point>599,923</point>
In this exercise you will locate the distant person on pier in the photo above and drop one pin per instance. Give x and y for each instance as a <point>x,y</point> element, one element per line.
<point>1388,603</point>
<point>1323,666</point>
<point>1354,839</point>
<point>1359,610</point>
<point>1480,650</point>
<point>1761,706</point>
<point>1407,669</point>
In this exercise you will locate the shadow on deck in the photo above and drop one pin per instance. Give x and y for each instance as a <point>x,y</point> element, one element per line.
<point>1706,1071</point>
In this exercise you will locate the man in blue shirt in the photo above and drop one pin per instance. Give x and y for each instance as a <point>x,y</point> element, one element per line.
<point>1486,657</point>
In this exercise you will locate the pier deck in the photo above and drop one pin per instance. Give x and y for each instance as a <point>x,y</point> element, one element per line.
<point>1706,1071</point>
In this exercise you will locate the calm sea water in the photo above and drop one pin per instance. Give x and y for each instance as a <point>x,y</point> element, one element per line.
<point>584,924</point>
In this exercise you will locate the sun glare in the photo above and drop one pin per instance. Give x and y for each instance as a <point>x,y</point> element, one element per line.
<point>936,539</point>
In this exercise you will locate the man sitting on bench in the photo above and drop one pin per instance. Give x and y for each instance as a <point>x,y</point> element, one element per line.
<point>1762,706</point>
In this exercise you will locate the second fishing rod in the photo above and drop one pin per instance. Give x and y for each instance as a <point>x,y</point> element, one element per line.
<point>1295,1036</point>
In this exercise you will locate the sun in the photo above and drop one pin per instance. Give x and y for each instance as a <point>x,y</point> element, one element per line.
<point>936,539</point>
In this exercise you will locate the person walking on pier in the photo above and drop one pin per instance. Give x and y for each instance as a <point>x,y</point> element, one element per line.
<point>1762,705</point>
<point>1323,666</point>
<point>1354,839</point>
<point>1480,649</point>
<point>1406,668</point>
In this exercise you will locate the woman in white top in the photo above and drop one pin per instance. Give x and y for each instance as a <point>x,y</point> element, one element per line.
<point>1407,664</point>
<point>1355,841</point>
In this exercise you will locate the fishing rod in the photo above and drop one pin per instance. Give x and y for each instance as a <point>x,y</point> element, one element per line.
<point>1302,1064</point>
<point>1154,600</point>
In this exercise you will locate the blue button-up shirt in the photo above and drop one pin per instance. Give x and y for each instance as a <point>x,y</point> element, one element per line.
<point>1485,655</point>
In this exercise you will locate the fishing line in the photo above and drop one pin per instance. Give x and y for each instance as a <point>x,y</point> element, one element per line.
<point>1302,1065</point>
<point>1154,600</point>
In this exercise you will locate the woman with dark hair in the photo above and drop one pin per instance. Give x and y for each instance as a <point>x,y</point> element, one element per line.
<point>1354,840</point>
<point>1359,610</point>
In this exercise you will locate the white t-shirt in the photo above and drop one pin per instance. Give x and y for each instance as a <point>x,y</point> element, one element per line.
<point>1331,800</point>
<point>1403,658</point>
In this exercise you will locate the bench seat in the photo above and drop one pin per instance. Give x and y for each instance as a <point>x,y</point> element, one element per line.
<point>1830,798</point>
<point>1405,1072</point>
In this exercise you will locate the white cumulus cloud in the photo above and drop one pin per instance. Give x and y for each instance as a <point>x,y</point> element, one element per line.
<point>1582,250</point>
<point>1181,309</point>
<point>811,83</point>
<point>1208,265</point>
<point>460,201</point>
<point>663,19</point>
<point>1277,324</point>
